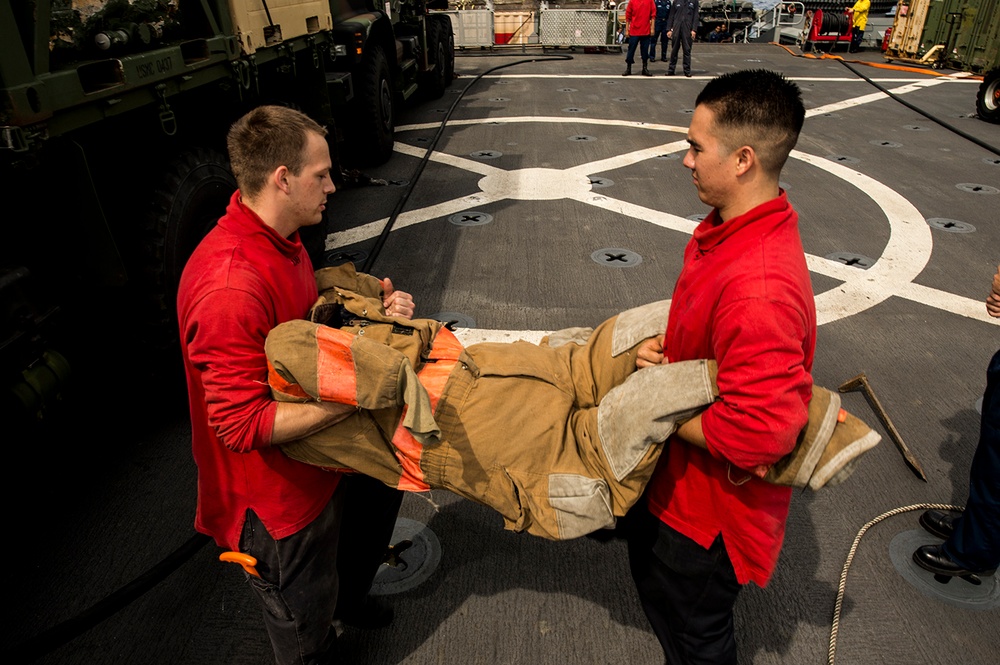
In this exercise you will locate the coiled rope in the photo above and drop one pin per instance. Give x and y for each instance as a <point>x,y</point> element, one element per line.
<point>850,557</point>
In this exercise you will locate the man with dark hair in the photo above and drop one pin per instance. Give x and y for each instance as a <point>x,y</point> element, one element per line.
<point>660,30</point>
<point>682,26</point>
<point>708,523</point>
<point>639,16</point>
<point>250,274</point>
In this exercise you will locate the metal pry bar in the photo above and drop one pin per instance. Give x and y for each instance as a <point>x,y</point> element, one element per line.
<point>861,381</point>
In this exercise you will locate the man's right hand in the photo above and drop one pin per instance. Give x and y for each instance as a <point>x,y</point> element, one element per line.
<point>650,353</point>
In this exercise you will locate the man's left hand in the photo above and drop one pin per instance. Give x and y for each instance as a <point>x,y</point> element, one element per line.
<point>397,303</point>
<point>650,353</point>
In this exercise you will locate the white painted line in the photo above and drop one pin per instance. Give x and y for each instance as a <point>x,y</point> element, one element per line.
<point>611,77</point>
<point>903,259</point>
<point>656,217</point>
<point>629,158</point>
<point>874,97</point>
<point>463,163</point>
<point>948,302</point>
<point>548,120</point>
<point>409,218</point>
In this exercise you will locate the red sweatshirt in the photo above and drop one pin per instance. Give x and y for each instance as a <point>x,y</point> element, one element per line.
<point>639,15</point>
<point>242,281</point>
<point>744,299</point>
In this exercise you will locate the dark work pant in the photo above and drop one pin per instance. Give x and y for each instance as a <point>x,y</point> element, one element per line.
<point>681,39</point>
<point>856,35</point>
<point>687,592</point>
<point>298,586</point>
<point>370,510</point>
<point>659,34</point>
<point>642,41</point>
<point>975,544</point>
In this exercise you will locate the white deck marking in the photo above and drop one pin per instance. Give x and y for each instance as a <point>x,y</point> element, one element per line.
<point>817,79</point>
<point>905,256</point>
<point>874,97</point>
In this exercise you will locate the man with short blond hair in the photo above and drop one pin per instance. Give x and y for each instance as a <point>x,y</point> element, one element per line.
<point>248,275</point>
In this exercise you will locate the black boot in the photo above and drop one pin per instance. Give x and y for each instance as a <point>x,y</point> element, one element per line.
<point>628,69</point>
<point>645,71</point>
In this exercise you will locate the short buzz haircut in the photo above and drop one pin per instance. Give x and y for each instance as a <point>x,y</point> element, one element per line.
<point>264,139</point>
<point>759,108</point>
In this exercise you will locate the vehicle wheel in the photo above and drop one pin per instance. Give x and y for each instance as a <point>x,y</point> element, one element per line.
<point>436,81</point>
<point>186,204</point>
<point>373,113</point>
<point>988,99</point>
<point>448,37</point>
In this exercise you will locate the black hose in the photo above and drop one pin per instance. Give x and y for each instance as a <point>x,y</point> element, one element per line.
<point>384,235</point>
<point>834,24</point>
<point>980,143</point>
<point>60,634</point>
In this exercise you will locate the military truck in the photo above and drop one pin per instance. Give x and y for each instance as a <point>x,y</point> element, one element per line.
<point>113,115</point>
<point>954,34</point>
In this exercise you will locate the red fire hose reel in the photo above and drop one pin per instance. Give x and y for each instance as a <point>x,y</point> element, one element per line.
<point>830,28</point>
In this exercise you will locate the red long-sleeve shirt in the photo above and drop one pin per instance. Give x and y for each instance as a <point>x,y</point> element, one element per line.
<point>639,15</point>
<point>240,282</point>
<point>744,299</point>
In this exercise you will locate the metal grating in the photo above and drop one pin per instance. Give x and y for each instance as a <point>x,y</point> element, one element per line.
<point>576,27</point>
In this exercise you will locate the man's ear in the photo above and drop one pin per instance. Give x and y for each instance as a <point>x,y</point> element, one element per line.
<point>280,178</point>
<point>746,157</point>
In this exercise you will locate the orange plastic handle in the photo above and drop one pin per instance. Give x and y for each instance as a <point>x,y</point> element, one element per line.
<point>245,560</point>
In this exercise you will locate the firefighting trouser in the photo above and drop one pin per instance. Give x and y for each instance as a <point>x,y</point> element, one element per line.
<point>539,433</point>
<point>559,438</point>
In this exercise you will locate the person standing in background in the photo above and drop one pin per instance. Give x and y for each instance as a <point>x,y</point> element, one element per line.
<point>859,13</point>
<point>682,26</point>
<point>639,15</point>
<point>660,30</point>
<point>972,540</point>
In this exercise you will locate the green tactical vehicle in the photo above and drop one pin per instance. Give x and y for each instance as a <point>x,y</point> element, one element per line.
<point>113,115</point>
<point>954,34</point>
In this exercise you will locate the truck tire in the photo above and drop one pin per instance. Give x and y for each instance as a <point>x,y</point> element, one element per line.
<point>189,199</point>
<point>437,44</point>
<point>373,113</point>
<point>448,41</point>
<point>450,53</point>
<point>988,99</point>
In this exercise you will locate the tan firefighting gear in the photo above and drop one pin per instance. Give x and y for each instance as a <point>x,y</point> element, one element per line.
<point>560,438</point>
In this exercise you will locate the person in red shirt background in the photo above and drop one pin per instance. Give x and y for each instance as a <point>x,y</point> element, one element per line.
<point>249,274</point>
<point>708,524</point>
<point>639,16</point>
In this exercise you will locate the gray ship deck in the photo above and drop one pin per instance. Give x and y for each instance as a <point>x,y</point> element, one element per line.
<point>542,167</point>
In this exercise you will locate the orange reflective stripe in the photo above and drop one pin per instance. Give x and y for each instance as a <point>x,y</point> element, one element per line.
<point>278,382</point>
<point>336,381</point>
<point>433,377</point>
<point>408,451</point>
